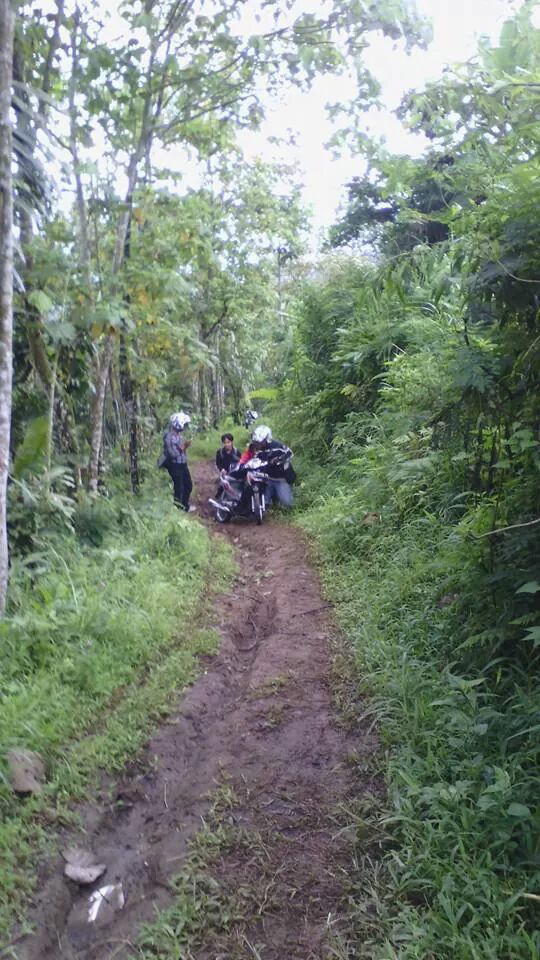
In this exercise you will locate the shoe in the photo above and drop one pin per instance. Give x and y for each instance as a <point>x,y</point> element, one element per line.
<point>192,510</point>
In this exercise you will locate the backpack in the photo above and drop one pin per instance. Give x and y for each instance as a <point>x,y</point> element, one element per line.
<point>163,459</point>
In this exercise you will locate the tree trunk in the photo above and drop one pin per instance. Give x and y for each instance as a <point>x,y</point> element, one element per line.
<point>217,396</point>
<point>105,352</point>
<point>101,367</point>
<point>204,398</point>
<point>82,213</point>
<point>7,25</point>
<point>118,424</point>
<point>130,400</point>
<point>195,398</point>
<point>63,405</point>
<point>217,385</point>
<point>151,109</point>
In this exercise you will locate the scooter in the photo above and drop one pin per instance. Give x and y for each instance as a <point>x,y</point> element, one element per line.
<point>242,496</point>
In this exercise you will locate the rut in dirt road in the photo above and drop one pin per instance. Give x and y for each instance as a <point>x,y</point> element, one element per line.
<point>261,717</point>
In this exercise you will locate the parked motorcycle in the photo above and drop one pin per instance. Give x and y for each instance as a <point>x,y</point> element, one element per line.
<point>250,417</point>
<point>242,490</point>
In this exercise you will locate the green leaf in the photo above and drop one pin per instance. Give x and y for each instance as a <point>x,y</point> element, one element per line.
<point>62,331</point>
<point>31,451</point>
<point>518,810</point>
<point>533,633</point>
<point>531,587</point>
<point>40,300</point>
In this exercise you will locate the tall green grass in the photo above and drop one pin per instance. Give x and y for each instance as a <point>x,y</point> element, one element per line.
<point>98,640</point>
<point>458,716</point>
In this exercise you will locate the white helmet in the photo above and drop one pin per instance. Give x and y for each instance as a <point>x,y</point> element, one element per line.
<point>179,420</point>
<point>261,434</point>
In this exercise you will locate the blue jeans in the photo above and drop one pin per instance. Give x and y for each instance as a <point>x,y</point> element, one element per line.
<point>279,490</point>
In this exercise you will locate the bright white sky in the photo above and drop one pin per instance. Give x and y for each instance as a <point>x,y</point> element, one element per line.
<point>457,25</point>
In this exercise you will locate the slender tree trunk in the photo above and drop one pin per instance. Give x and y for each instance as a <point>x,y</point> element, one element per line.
<point>220,395</point>
<point>119,427</point>
<point>216,380</point>
<point>195,398</point>
<point>105,351</point>
<point>130,400</point>
<point>128,387</point>
<point>97,406</point>
<point>82,212</point>
<point>50,426</point>
<point>204,398</point>
<point>153,101</point>
<point>7,25</point>
<point>217,396</point>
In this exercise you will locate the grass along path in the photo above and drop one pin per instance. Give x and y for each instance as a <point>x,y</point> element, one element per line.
<point>96,648</point>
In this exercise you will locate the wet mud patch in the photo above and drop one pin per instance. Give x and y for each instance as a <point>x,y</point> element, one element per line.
<point>261,718</point>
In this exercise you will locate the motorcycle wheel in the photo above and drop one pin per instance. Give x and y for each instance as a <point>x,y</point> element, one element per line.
<point>223,516</point>
<point>257,507</point>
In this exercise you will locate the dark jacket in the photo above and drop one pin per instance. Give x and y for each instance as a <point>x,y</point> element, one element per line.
<point>276,470</point>
<point>224,460</point>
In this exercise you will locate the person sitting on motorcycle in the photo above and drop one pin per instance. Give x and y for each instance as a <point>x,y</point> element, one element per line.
<point>226,457</point>
<point>228,454</point>
<point>248,453</point>
<point>238,474</point>
<point>281,476</point>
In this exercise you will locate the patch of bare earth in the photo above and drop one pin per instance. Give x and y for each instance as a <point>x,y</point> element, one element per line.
<point>262,718</point>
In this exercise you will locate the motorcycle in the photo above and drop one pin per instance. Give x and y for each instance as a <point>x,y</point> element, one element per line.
<point>250,417</point>
<point>242,490</point>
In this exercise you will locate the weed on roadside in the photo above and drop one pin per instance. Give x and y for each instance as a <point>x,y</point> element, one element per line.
<point>269,687</point>
<point>92,660</point>
<point>456,876</point>
<point>211,907</point>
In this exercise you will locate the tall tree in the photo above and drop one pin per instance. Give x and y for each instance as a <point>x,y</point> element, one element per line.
<point>7,25</point>
<point>193,65</point>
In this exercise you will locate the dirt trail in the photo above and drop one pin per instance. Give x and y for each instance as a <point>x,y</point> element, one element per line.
<point>262,717</point>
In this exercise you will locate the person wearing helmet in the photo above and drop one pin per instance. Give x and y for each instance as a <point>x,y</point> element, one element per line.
<point>281,476</point>
<point>249,417</point>
<point>175,446</point>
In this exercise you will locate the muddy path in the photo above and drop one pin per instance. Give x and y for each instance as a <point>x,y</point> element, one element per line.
<point>261,718</point>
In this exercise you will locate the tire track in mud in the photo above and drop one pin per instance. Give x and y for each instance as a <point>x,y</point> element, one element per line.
<point>262,716</point>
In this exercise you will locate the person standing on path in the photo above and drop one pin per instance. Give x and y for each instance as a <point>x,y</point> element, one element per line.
<point>175,446</point>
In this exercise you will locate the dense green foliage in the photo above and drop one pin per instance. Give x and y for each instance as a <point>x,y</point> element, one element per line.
<point>149,290</point>
<point>138,289</point>
<point>409,385</point>
<point>415,390</point>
